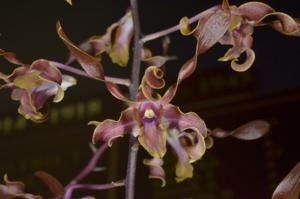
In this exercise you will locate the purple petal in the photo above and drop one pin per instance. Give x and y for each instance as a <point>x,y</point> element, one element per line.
<point>110,129</point>
<point>153,138</point>
<point>11,57</point>
<point>183,167</point>
<point>174,118</point>
<point>47,70</point>
<point>155,169</point>
<point>289,187</point>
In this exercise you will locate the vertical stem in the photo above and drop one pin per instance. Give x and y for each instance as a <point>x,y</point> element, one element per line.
<point>135,76</point>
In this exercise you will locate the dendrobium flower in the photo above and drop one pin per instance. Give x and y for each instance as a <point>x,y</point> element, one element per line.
<point>34,84</point>
<point>15,189</point>
<point>157,123</point>
<point>232,25</point>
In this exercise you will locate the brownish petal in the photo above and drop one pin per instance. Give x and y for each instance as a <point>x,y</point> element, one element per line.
<point>119,52</point>
<point>56,188</point>
<point>10,57</point>
<point>91,66</point>
<point>155,169</point>
<point>249,131</point>
<point>47,70</point>
<point>174,118</point>
<point>289,187</point>
<point>152,137</point>
<point>254,11</point>
<point>110,129</point>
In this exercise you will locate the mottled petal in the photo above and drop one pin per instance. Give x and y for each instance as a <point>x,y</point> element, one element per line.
<point>174,118</point>
<point>119,53</point>
<point>110,129</point>
<point>155,169</point>
<point>289,187</point>
<point>183,167</point>
<point>249,131</point>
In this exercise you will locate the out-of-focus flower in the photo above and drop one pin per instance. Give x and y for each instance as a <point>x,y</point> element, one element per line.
<point>13,189</point>
<point>155,123</point>
<point>34,84</point>
<point>232,25</point>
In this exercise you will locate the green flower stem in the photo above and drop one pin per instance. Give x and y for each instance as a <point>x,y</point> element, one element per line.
<point>133,89</point>
<point>125,82</point>
<point>176,28</point>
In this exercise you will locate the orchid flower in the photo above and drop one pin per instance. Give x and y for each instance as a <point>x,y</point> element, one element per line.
<point>34,84</point>
<point>155,122</point>
<point>13,189</point>
<point>232,25</point>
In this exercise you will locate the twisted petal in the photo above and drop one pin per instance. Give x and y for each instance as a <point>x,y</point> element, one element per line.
<point>174,118</point>
<point>249,131</point>
<point>250,57</point>
<point>152,79</point>
<point>286,24</point>
<point>110,129</point>
<point>254,11</point>
<point>183,167</point>
<point>155,169</point>
<point>119,53</point>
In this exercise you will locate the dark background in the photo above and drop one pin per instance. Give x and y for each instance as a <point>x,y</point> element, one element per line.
<point>232,169</point>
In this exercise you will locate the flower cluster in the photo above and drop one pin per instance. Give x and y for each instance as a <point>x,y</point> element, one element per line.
<point>34,84</point>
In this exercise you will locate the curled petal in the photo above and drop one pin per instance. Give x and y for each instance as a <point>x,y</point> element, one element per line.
<point>119,53</point>
<point>254,11</point>
<point>56,188</point>
<point>184,26</point>
<point>249,131</point>
<point>155,169</point>
<point>250,57</point>
<point>174,118</point>
<point>183,167</point>
<point>109,129</point>
<point>278,25</point>
<point>289,187</point>
<point>193,143</point>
